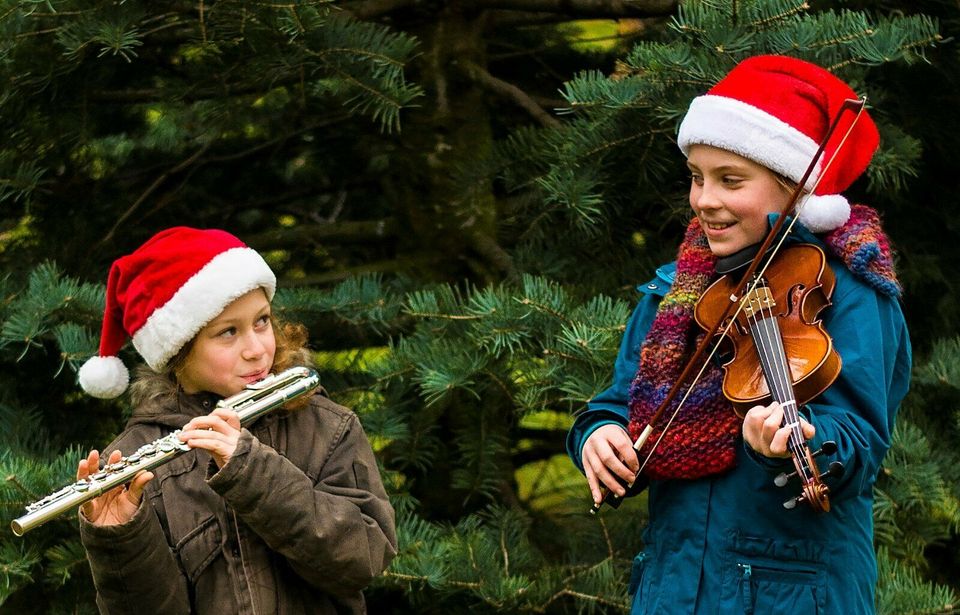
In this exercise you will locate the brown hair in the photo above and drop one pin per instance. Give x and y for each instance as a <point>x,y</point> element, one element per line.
<point>785,182</point>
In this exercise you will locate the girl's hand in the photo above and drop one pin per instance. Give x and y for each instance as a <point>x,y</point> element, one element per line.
<point>762,430</point>
<point>216,432</point>
<point>118,505</point>
<point>608,452</point>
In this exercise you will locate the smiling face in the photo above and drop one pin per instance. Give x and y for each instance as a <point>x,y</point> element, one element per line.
<point>232,350</point>
<point>731,197</point>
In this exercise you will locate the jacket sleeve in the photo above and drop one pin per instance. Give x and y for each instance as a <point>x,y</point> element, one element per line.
<point>338,531</point>
<point>133,566</point>
<point>858,410</point>
<point>611,406</point>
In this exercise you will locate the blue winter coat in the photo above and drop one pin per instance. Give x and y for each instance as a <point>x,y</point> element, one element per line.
<point>725,544</point>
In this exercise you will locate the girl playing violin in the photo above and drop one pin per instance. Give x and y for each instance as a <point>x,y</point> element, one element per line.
<point>719,539</point>
<point>286,515</point>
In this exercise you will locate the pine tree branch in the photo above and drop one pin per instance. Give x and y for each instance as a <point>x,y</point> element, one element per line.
<point>501,88</point>
<point>588,598</point>
<point>422,579</point>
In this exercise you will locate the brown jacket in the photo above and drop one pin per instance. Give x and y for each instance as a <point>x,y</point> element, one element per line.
<point>296,522</point>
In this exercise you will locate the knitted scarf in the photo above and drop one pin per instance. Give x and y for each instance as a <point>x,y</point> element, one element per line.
<point>703,437</point>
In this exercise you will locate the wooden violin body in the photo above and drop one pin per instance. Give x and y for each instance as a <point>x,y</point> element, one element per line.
<point>797,285</point>
<point>779,351</point>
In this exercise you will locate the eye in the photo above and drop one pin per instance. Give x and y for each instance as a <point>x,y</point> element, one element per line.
<point>228,332</point>
<point>732,180</point>
<point>263,321</point>
<point>696,178</point>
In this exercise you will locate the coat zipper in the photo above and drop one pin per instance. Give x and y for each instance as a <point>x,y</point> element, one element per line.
<point>746,571</point>
<point>243,565</point>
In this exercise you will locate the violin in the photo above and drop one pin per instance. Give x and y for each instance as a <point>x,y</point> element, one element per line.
<point>778,350</point>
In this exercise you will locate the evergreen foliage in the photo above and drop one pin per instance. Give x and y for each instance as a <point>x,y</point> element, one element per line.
<point>464,259</point>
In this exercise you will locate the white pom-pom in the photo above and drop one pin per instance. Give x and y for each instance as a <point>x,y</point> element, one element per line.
<point>104,377</point>
<point>822,213</point>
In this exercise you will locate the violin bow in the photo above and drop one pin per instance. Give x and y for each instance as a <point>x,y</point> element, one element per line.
<point>790,211</point>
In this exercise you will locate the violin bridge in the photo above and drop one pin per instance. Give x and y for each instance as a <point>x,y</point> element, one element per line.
<point>757,301</point>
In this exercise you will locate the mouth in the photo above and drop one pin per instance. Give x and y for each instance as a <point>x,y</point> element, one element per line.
<point>255,376</point>
<point>715,227</point>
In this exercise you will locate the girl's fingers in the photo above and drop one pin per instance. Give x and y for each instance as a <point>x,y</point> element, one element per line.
<point>771,424</point>
<point>135,490</point>
<point>608,479</point>
<point>592,484</point>
<point>613,462</point>
<point>88,466</point>
<point>778,445</point>
<point>214,422</point>
<point>205,442</point>
<point>609,459</point>
<point>230,417</point>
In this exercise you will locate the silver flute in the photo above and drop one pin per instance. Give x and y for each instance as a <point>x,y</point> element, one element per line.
<point>254,401</point>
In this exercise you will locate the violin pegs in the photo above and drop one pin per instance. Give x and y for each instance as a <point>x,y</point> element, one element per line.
<point>835,469</point>
<point>792,502</point>
<point>782,478</point>
<point>827,448</point>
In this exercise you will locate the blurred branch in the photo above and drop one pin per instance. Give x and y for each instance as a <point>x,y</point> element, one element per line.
<point>336,232</point>
<point>151,189</point>
<point>148,95</point>
<point>501,88</point>
<point>375,8</point>
<point>585,8</point>
<point>392,265</point>
<point>487,247</point>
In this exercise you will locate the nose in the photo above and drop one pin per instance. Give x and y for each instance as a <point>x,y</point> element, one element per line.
<point>706,196</point>
<point>253,347</point>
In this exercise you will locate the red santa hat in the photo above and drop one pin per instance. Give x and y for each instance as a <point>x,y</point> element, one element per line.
<point>776,110</point>
<point>162,294</point>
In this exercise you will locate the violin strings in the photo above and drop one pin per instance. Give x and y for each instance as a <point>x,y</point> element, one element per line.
<point>769,344</point>
<point>751,287</point>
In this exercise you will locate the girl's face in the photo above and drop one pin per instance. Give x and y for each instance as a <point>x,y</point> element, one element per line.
<point>232,350</point>
<point>731,197</point>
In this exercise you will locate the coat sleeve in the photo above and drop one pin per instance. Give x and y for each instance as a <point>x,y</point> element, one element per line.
<point>858,410</point>
<point>611,406</point>
<point>133,566</point>
<point>337,532</point>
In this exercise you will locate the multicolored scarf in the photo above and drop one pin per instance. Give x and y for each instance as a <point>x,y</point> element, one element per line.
<point>703,437</point>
